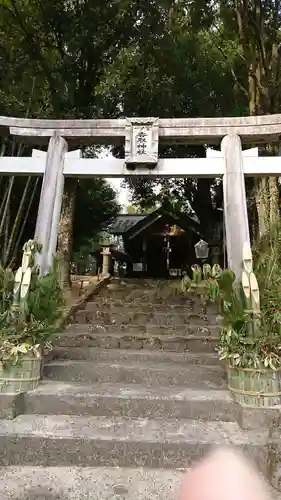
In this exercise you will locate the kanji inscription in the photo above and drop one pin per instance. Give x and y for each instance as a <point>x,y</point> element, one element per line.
<point>141,144</point>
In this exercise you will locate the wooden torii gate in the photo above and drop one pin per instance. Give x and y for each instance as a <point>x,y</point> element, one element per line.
<point>141,137</point>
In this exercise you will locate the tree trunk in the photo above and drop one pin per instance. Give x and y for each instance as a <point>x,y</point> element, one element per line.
<point>255,43</point>
<point>202,205</point>
<point>265,188</point>
<point>65,240</point>
<point>267,203</point>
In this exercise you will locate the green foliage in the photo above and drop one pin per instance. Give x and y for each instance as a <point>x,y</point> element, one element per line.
<point>95,206</point>
<point>27,319</point>
<point>240,350</point>
<point>6,289</point>
<point>238,344</point>
<point>45,299</point>
<point>204,282</point>
<point>10,354</point>
<point>267,267</point>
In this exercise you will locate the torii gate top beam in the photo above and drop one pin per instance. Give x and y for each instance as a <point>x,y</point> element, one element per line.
<point>251,129</point>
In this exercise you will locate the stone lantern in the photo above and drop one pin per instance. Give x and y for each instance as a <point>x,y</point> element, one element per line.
<point>105,243</point>
<point>201,250</point>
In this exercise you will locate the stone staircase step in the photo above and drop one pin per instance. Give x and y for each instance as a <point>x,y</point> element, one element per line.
<point>80,336</point>
<point>75,483</point>
<point>196,376</point>
<point>62,440</point>
<point>130,401</point>
<point>123,355</point>
<point>108,304</point>
<point>178,304</point>
<point>99,326</point>
<point>121,297</point>
<point>125,317</point>
<point>145,296</point>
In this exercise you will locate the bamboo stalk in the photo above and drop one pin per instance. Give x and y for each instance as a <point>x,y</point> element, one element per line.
<point>2,206</point>
<point>24,222</point>
<point>255,295</point>
<point>247,258</point>
<point>247,292</point>
<point>5,211</point>
<point>17,221</point>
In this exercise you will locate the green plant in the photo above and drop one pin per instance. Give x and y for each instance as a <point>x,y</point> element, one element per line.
<point>6,288</point>
<point>204,282</point>
<point>250,317</point>
<point>10,353</point>
<point>251,334</point>
<point>31,305</point>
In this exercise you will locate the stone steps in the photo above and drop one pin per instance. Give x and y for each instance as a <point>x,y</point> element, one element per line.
<point>150,374</point>
<point>98,326</point>
<point>76,483</point>
<point>115,305</point>
<point>176,305</point>
<point>130,401</point>
<point>133,384</point>
<point>125,317</point>
<point>144,296</point>
<point>117,356</point>
<point>141,341</point>
<point>63,440</point>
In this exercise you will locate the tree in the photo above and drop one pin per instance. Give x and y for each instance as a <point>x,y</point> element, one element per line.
<point>169,58</point>
<point>68,46</point>
<point>202,86</point>
<point>247,33</point>
<point>95,206</point>
<point>232,51</point>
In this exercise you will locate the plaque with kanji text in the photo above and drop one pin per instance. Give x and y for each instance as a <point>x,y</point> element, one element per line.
<point>141,143</point>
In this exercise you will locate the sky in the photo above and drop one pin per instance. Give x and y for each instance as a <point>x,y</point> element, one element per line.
<point>122,193</point>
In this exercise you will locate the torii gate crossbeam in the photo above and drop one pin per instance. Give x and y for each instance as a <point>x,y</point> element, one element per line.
<point>251,129</point>
<point>141,137</point>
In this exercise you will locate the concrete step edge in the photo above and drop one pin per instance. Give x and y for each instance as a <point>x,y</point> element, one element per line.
<point>157,355</point>
<point>139,430</point>
<point>78,483</point>
<point>136,364</point>
<point>122,391</point>
<point>116,330</point>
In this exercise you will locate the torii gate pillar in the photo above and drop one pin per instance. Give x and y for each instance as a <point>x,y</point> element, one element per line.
<point>235,204</point>
<point>47,224</point>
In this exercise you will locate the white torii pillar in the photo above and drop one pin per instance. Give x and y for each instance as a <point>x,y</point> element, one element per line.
<point>235,203</point>
<point>47,224</point>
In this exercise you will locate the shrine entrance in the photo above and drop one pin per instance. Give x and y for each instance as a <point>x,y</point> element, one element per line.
<point>159,244</point>
<point>141,137</point>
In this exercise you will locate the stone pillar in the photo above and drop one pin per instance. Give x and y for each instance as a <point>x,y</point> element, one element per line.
<point>47,223</point>
<point>235,205</point>
<point>105,261</point>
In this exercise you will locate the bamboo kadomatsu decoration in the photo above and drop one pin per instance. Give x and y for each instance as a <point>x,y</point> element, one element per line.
<point>254,387</point>
<point>23,374</point>
<point>251,291</point>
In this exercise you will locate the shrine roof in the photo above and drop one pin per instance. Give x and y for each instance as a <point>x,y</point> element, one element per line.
<point>133,224</point>
<point>125,222</point>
